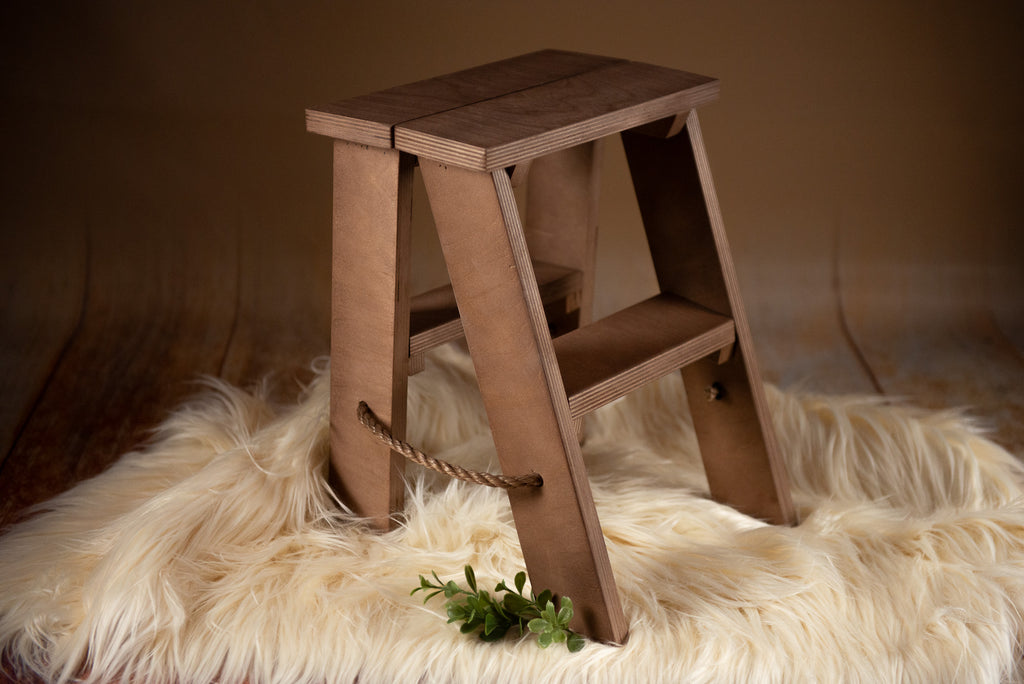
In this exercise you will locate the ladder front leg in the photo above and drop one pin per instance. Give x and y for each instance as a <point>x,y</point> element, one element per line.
<point>499,302</point>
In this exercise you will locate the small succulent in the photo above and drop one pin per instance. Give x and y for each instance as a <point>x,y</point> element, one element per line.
<point>479,611</point>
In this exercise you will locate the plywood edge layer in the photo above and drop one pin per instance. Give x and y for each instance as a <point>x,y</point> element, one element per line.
<point>515,144</point>
<point>371,117</point>
<point>618,354</point>
<point>435,315</point>
<point>363,131</point>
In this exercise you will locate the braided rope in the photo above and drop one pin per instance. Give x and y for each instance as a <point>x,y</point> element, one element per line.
<point>372,423</point>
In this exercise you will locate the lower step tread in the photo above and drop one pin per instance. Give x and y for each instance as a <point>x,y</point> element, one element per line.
<point>618,354</point>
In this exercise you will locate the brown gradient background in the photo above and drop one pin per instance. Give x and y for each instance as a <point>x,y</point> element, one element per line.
<point>165,214</point>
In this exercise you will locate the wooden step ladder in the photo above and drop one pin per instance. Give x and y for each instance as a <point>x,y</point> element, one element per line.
<point>521,281</point>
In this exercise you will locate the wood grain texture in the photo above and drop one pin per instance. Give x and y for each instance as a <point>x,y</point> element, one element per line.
<point>799,324</point>
<point>434,315</point>
<point>369,324</point>
<point>969,365</point>
<point>282,319</point>
<point>136,353</point>
<point>506,330</point>
<point>673,184</point>
<point>506,130</point>
<point>633,347</point>
<point>42,289</point>
<point>562,195</point>
<point>938,355</point>
<point>370,119</point>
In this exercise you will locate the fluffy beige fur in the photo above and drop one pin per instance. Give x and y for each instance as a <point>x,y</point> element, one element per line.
<point>217,553</point>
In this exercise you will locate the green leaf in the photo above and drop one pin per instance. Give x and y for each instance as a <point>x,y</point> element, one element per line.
<point>544,640</point>
<point>538,625</point>
<point>515,604</point>
<point>520,581</point>
<point>490,623</point>
<point>495,635</point>
<point>493,616</point>
<point>565,613</point>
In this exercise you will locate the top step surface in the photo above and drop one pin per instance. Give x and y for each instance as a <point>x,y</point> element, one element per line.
<point>370,119</point>
<point>500,114</point>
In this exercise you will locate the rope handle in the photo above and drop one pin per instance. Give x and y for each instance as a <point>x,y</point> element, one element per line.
<point>372,423</point>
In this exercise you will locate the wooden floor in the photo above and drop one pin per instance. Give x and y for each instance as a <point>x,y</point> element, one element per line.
<point>111,311</point>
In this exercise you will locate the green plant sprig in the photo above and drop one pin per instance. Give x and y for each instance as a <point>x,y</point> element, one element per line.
<point>477,609</point>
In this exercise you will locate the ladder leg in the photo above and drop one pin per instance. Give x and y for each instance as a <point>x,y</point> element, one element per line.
<point>560,220</point>
<point>691,256</point>
<point>369,324</point>
<point>485,250</point>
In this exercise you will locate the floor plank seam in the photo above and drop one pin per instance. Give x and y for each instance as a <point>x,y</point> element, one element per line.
<point>236,314</point>
<point>61,355</point>
<point>844,324</point>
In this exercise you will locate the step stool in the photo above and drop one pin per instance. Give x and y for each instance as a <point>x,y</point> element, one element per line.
<point>520,281</point>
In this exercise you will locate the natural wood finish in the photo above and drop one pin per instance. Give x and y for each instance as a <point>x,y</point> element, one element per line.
<point>533,430</point>
<point>664,128</point>
<point>542,133</point>
<point>282,316</point>
<point>43,277</point>
<point>370,323</point>
<point>677,199</point>
<point>135,352</point>
<point>434,315</point>
<point>525,124</point>
<point>560,221</point>
<point>633,347</point>
<point>370,119</point>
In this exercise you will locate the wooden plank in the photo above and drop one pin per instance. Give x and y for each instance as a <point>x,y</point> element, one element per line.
<point>158,309</point>
<point>43,272</point>
<point>798,322</point>
<point>961,361</point>
<point>562,194</point>
<point>506,330</point>
<point>369,119</point>
<point>635,346</point>
<point>369,324</point>
<point>506,130</point>
<point>434,315</point>
<point>673,184</point>
<point>282,321</point>
<point>928,335</point>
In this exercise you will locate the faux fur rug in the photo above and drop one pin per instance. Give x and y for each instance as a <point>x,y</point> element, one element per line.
<point>216,554</point>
